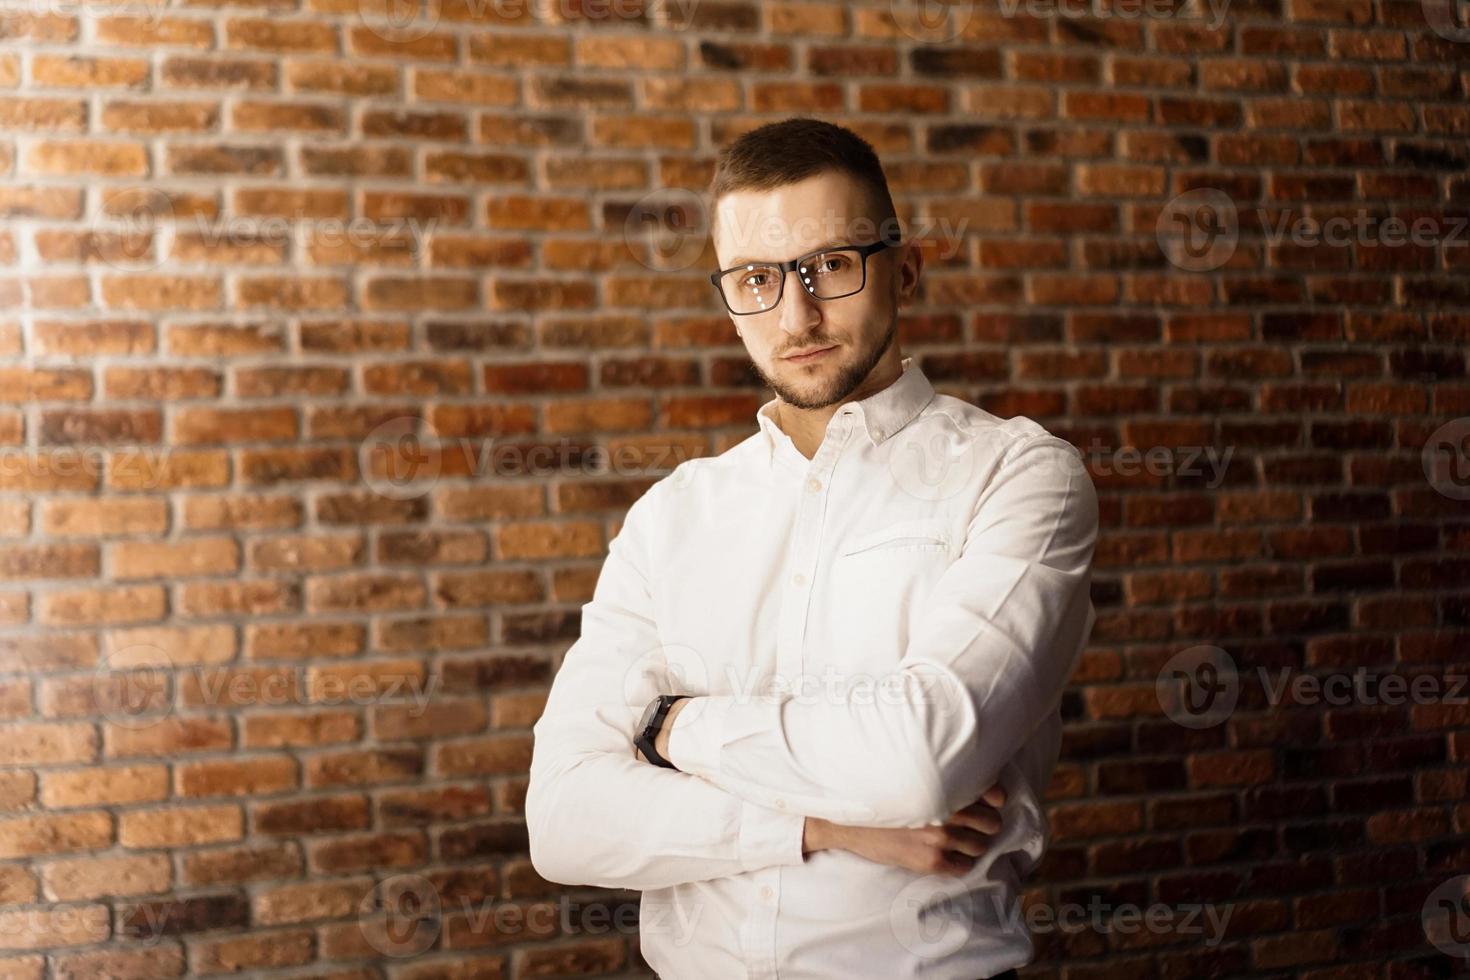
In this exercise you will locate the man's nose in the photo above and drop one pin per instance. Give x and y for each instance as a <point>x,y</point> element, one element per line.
<point>799,310</point>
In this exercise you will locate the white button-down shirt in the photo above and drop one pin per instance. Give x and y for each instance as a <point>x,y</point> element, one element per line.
<point>877,635</point>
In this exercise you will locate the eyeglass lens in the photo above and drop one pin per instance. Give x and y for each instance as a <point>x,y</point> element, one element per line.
<point>827,275</point>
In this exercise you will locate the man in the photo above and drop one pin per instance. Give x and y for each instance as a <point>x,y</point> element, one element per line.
<point>866,612</point>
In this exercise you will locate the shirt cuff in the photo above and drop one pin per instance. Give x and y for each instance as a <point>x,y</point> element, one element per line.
<point>697,735</point>
<point>770,837</point>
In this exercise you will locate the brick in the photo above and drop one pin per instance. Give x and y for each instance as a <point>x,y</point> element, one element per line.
<point>52,928</point>
<point>310,901</point>
<point>280,36</point>
<point>343,80</point>
<point>366,852</point>
<point>166,736</point>
<point>269,951</point>
<point>539,541</point>
<point>459,86</point>
<point>46,833</point>
<point>63,71</point>
<point>321,727</point>
<point>260,776</point>
<point>410,807</point>
<point>394,723</point>
<point>76,879</point>
<point>160,293</point>
<point>189,72</point>
<point>291,641</point>
<point>102,158</point>
<point>17,886</point>
<point>317,815</point>
<point>501,754</point>
<point>198,556</point>
<point>17,790</point>
<point>410,46</point>
<point>180,826</point>
<point>237,865</point>
<point>126,116</point>
<point>43,114</point>
<point>47,743</point>
<point>104,786</point>
<point>166,917</point>
<point>354,768</point>
<point>154,962</point>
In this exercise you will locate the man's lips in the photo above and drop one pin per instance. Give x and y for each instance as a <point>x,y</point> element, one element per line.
<point>798,358</point>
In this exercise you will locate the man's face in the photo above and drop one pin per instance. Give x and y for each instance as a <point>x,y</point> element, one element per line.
<point>780,224</point>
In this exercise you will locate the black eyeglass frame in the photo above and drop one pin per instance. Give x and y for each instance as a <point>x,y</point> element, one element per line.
<point>791,266</point>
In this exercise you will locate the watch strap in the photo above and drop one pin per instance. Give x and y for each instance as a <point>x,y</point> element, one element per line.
<point>646,738</point>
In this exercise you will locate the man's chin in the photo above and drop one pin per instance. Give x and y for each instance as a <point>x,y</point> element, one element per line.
<point>815,393</point>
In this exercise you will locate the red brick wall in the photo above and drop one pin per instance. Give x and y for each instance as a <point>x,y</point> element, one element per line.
<point>241,239</point>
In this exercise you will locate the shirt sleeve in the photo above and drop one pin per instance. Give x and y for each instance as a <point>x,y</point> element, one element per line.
<point>993,646</point>
<point>595,813</point>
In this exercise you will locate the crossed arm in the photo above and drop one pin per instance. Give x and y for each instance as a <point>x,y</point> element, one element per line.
<point>994,645</point>
<point>596,814</point>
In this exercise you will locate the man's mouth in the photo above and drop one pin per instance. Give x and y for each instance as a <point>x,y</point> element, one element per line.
<point>811,355</point>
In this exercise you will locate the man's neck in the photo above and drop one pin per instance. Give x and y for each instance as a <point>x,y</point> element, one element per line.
<point>808,427</point>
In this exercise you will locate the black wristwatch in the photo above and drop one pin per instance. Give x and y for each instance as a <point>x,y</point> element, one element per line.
<point>652,723</point>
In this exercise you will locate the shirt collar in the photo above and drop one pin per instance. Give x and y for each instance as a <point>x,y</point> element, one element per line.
<point>883,413</point>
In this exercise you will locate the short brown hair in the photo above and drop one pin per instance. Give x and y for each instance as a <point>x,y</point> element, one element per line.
<point>794,149</point>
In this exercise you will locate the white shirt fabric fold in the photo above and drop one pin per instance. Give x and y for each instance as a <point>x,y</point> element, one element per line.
<point>875,636</point>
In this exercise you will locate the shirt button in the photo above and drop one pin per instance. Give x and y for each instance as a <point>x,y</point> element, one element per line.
<point>780,804</point>
<point>877,433</point>
<point>814,484</point>
<point>799,578</point>
<point>766,892</point>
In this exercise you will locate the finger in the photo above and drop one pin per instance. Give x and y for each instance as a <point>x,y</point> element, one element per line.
<point>995,795</point>
<point>958,862</point>
<point>982,819</point>
<point>966,841</point>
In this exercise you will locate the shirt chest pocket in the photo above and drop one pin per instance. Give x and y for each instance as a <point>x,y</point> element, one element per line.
<point>876,588</point>
<point>914,534</point>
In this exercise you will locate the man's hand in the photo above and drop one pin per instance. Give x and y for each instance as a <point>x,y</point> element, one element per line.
<point>949,848</point>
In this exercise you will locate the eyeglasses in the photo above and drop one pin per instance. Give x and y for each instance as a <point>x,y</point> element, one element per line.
<point>827,273</point>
